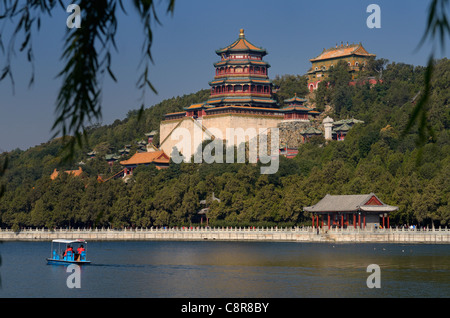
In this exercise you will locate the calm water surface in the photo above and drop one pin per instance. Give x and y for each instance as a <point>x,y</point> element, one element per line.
<point>229,269</point>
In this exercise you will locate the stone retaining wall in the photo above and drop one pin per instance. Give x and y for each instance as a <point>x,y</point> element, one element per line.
<point>437,236</point>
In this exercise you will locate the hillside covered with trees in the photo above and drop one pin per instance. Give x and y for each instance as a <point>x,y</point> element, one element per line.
<point>375,157</point>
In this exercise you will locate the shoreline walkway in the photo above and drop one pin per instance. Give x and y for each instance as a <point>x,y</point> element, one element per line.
<point>271,234</point>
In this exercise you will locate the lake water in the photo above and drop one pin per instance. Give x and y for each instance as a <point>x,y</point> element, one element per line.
<point>229,269</point>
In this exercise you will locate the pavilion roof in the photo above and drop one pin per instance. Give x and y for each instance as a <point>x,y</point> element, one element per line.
<point>241,45</point>
<point>350,203</point>
<point>348,122</point>
<point>112,157</point>
<point>146,158</point>
<point>311,131</point>
<point>295,99</point>
<point>301,108</point>
<point>343,127</point>
<point>342,51</point>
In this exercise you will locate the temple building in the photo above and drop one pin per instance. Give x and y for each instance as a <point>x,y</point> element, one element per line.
<point>355,55</point>
<point>157,158</point>
<point>337,130</point>
<point>150,136</point>
<point>241,77</point>
<point>296,110</point>
<point>358,211</point>
<point>111,158</point>
<point>241,97</point>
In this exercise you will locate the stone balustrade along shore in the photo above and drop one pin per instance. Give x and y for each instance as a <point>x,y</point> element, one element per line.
<point>272,234</point>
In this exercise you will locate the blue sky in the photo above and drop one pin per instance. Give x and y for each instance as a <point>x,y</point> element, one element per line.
<point>292,31</point>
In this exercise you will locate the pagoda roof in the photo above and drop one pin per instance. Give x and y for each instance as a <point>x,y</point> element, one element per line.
<point>296,107</point>
<point>295,99</point>
<point>241,80</point>
<point>241,61</point>
<point>247,98</point>
<point>146,158</point>
<point>350,203</point>
<point>342,51</point>
<point>245,107</point>
<point>241,45</point>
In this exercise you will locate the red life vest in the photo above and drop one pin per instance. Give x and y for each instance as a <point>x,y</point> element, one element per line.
<point>70,249</point>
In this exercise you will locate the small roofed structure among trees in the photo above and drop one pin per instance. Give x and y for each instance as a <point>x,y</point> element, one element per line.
<point>342,211</point>
<point>297,110</point>
<point>158,158</point>
<point>341,127</point>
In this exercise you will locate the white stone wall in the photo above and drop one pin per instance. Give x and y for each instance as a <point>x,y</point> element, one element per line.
<point>307,234</point>
<point>215,125</point>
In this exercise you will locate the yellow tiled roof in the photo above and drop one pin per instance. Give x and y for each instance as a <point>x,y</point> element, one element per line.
<point>146,157</point>
<point>241,44</point>
<point>341,51</point>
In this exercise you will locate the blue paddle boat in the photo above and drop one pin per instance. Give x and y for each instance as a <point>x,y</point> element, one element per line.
<point>68,252</point>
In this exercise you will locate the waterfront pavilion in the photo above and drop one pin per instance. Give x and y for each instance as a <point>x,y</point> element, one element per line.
<point>342,211</point>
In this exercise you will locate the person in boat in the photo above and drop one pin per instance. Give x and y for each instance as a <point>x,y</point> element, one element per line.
<point>79,251</point>
<point>68,249</point>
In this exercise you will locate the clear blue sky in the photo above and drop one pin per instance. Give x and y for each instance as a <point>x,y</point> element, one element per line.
<point>293,31</point>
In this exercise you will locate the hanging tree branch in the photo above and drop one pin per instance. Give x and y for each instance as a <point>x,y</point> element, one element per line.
<point>87,54</point>
<point>437,28</point>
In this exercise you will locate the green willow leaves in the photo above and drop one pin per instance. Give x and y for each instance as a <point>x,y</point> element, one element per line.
<point>87,56</point>
<point>437,29</point>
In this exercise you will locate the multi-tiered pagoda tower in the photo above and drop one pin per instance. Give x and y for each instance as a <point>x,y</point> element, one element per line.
<point>241,77</point>
<point>241,97</point>
<point>241,84</point>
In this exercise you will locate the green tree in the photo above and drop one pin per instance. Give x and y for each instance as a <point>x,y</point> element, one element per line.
<point>322,96</point>
<point>287,86</point>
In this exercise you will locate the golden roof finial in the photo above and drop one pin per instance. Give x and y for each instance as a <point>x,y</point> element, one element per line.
<point>241,33</point>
